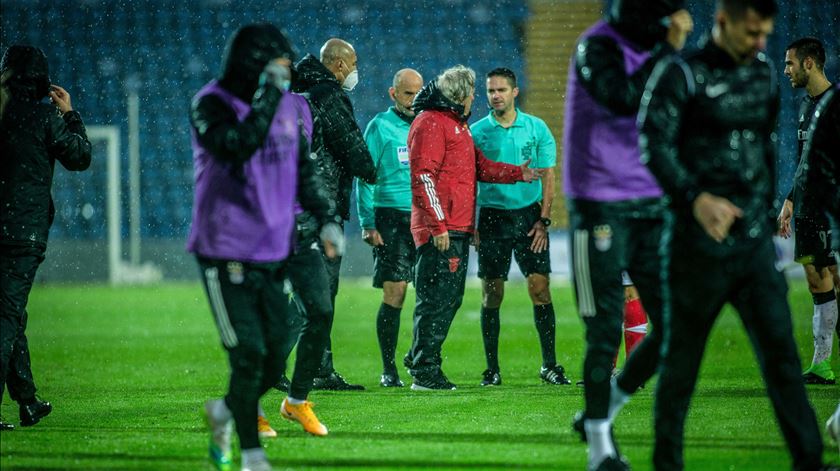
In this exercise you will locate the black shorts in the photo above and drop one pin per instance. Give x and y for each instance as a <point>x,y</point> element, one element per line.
<point>393,261</point>
<point>813,242</point>
<point>502,232</point>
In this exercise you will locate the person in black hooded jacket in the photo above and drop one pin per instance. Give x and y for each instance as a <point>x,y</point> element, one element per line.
<point>33,135</point>
<point>616,209</point>
<point>707,132</point>
<point>343,154</point>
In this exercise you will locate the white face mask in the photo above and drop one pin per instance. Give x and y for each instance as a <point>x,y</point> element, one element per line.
<point>351,81</point>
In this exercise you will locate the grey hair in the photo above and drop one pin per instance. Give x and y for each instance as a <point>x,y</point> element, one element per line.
<point>456,83</point>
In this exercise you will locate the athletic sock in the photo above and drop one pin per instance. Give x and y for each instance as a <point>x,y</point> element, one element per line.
<point>824,323</point>
<point>635,325</point>
<point>599,440</point>
<point>253,455</point>
<point>220,411</point>
<point>388,330</point>
<point>618,398</point>
<point>490,334</point>
<point>544,321</point>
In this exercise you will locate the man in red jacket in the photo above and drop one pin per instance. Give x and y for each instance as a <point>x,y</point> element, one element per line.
<point>445,166</point>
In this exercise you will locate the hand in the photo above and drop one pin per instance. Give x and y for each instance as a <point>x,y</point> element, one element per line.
<point>372,237</point>
<point>475,241</point>
<point>333,239</point>
<point>681,25</point>
<point>530,174</point>
<point>60,98</point>
<point>784,219</point>
<point>442,242</point>
<point>540,234</point>
<point>277,73</point>
<point>715,215</point>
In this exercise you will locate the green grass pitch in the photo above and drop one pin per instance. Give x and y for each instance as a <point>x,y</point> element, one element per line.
<point>127,370</point>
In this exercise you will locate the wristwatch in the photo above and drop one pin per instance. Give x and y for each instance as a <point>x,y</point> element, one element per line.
<point>546,221</point>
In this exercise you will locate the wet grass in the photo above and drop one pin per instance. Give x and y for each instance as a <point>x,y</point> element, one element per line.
<point>127,369</point>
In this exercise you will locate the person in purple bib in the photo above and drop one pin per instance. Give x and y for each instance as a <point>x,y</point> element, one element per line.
<point>251,164</point>
<point>617,212</point>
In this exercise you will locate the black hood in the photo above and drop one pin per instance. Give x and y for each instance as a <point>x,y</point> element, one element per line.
<point>309,72</point>
<point>643,21</point>
<point>30,73</point>
<point>246,55</point>
<point>431,98</point>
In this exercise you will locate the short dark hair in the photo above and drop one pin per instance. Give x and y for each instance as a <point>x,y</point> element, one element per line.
<point>738,8</point>
<point>503,72</point>
<point>809,47</point>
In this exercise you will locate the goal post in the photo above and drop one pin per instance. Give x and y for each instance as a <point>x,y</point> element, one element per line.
<point>119,270</point>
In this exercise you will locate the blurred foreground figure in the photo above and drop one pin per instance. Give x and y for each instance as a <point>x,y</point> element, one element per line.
<point>33,135</point>
<point>385,214</point>
<point>617,213</point>
<point>721,180</point>
<point>249,137</point>
<point>445,168</point>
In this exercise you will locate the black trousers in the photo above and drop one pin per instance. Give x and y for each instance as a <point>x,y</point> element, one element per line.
<point>700,286</point>
<point>333,267</point>
<point>311,315</point>
<point>250,308</point>
<point>17,271</point>
<point>608,238</point>
<point>440,279</point>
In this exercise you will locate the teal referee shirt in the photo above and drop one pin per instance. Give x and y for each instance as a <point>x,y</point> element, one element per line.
<point>527,138</point>
<point>386,136</point>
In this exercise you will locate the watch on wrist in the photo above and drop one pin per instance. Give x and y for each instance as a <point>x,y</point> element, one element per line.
<point>546,221</point>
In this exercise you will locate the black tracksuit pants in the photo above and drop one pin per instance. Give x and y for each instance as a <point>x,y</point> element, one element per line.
<point>700,285</point>
<point>250,309</point>
<point>606,239</point>
<point>18,265</point>
<point>440,279</point>
<point>311,316</point>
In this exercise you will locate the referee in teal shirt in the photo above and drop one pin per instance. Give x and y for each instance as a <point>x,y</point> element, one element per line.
<point>385,214</point>
<point>514,219</point>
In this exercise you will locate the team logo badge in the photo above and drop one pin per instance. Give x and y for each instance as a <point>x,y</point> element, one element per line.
<point>603,237</point>
<point>453,264</point>
<point>236,273</point>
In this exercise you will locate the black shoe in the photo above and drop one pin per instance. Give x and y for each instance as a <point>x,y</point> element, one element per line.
<point>491,378</point>
<point>390,381</point>
<point>813,378</point>
<point>33,412</point>
<point>436,382</point>
<point>284,384</point>
<point>577,425</point>
<point>5,426</point>
<point>554,375</point>
<point>612,463</point>
<point>334,382</point>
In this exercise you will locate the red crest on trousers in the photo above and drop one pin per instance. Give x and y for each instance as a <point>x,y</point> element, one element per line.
<point>453,264</point>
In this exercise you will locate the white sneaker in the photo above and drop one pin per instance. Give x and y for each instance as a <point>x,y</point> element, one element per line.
<point>261,465</point>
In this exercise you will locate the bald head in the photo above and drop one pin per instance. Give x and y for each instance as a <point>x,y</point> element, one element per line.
<point>339,57</point>
<point>336,49</point>
<point>405,77</point>
<point>407,83</point>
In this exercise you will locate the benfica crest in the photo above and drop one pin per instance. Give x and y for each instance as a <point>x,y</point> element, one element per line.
<point>603,237</point>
